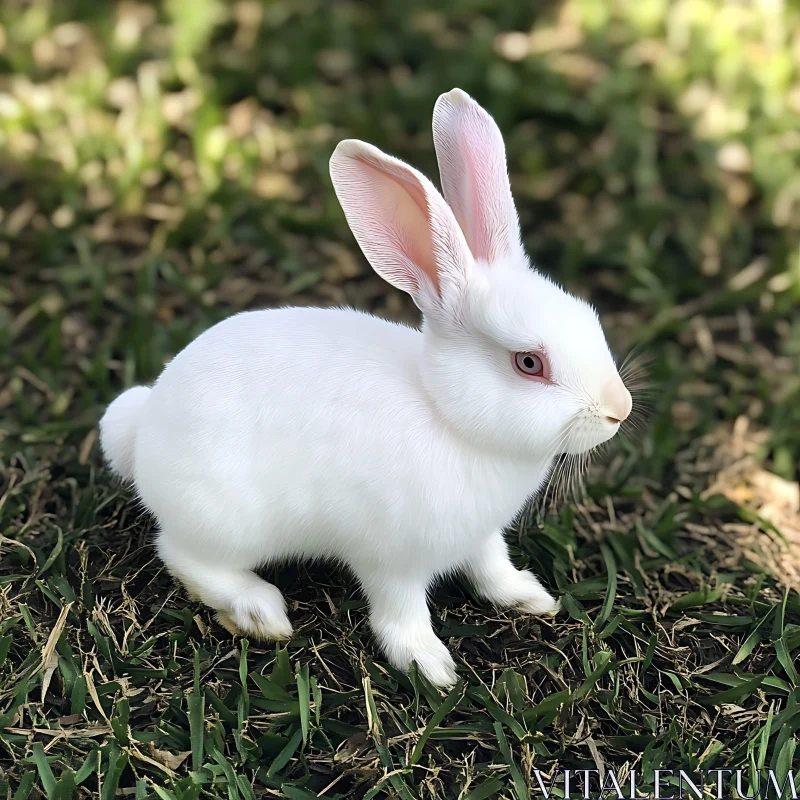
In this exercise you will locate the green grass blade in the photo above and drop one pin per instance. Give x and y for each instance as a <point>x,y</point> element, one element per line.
<point>285,755</point>
<point>196,704</point>
<point>736,694</point>
<point>26,784</point>
<point>45,772</point>
<point>611,588</point>
<point>520,788</point>
<point>484,790</point>
<point>445,707</point>
<point>304,699</point>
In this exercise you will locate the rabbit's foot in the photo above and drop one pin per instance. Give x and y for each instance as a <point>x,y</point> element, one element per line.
<point>436,664</point>
<point>521,589</point>
<point>433,659</point>
<point>497,580</point>
<point>534,599</point>
<point>245,603</point>
<point>400,618</point>
<point>260,612</point>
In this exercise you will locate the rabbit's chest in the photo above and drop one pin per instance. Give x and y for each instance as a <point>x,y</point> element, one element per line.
<point>480,503</point>
<point>440,522</point>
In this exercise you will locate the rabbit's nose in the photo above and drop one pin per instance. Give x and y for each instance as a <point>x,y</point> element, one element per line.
<point>617,401</point>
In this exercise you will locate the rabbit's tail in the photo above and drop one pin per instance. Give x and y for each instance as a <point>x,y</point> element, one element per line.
<point>118,430</point>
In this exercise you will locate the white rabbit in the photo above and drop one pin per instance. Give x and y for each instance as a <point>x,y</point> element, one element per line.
<point>311,433</point>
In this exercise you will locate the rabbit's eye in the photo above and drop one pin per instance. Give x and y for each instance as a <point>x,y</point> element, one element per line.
<point>530,365</point>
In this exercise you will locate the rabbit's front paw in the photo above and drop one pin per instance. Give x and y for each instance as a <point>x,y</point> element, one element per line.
<point>401,620</point>
<point>260,612</point>
<point>422,645</point>
<point>544,605</point>
<point>437,665</point>
<point>501,583</point>
<point>532,598</point>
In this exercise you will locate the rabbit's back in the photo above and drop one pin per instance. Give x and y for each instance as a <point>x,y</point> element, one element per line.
<point>264,368</point>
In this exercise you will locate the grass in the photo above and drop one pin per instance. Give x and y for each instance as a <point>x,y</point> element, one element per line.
<point>166,165</point>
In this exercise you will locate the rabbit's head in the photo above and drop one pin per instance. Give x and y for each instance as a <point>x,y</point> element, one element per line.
<point>512,361</point>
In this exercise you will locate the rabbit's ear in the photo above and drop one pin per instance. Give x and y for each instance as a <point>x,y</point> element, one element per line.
<point>402,224</point>
<point>472,166</point>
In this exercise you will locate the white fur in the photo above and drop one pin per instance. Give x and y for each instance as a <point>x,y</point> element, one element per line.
<point>310,433</point>
<point>118,430</point>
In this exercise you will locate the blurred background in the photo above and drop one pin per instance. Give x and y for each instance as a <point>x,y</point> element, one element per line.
<point>163,165</point>
<point>166,164</point>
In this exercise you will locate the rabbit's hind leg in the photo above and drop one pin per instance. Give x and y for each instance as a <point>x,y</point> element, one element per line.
<point>245,603</point>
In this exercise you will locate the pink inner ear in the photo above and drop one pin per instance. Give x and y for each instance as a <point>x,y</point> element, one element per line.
<point>396,210</point>
<point>488,235</point>
<point>472,164</point>
<point>403,225</point>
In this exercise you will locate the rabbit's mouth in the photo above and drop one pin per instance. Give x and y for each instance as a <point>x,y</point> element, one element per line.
<point>588,432</point>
